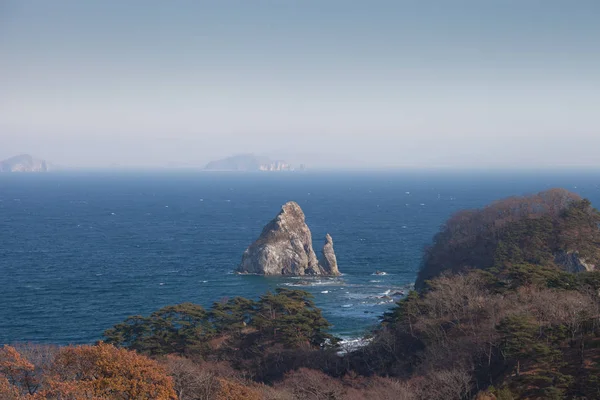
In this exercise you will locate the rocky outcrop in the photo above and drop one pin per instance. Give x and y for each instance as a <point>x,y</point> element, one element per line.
<point>572,262</point>
<point>23,163</point>
<point>285,248</point>
<point>328,260</point>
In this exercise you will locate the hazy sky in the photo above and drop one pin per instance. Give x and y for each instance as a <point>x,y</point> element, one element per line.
<point>379,83</point>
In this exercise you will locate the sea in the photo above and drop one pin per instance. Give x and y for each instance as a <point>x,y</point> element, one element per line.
<point>82,251</point>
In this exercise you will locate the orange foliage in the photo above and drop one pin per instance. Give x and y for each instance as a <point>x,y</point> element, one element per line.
<point>229,390</point>
<point>104,371</point>
<point>12,364</point>
<point>8,391</point>
<point>16,370</point>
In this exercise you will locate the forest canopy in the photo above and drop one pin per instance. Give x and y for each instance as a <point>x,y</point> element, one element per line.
<point>555,229</point>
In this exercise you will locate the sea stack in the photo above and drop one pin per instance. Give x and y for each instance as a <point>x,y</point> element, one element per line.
<point>285,248</point>
<point>328,261</point>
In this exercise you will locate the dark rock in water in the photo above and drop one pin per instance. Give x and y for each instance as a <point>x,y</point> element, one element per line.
<point>328,260</point>
<point>285,248</point>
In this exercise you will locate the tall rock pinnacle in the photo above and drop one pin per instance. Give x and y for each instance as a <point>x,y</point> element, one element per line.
<point>285,248</point>
<point>328,261</point>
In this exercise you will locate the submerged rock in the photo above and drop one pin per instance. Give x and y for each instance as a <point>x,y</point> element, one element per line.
<point>285,248</point>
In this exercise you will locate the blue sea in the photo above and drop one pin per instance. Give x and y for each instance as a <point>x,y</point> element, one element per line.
<point>80,252</point>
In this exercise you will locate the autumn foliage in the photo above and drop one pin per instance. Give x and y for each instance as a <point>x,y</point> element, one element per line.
<point>85,372</point>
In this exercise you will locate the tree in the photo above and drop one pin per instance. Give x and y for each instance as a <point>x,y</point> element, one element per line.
<point>233,315</point>
<point>7,390</point>
<point>17,371</point>
<point>173,329</point>
<point>190,380</point>
<point>290,317</point>
<point>106,372</point>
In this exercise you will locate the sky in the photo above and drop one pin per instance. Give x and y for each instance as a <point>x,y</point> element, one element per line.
<point>335,83</point>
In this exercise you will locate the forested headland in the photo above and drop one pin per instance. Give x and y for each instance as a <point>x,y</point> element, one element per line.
<point>507,306</point>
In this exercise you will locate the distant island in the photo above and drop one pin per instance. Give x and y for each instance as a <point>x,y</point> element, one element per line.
<point>249,162</point>
<point>24,163</point>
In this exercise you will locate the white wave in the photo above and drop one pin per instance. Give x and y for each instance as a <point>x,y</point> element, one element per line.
<point>352,344</point>
<point>374,281</point>
<point>325,291</point>
<point>347,305</point>
<point>308,282</point>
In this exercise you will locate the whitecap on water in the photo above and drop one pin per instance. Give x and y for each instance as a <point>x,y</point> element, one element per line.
<point>347,305</point>
<point>348,345</point>
<point>325,291</point>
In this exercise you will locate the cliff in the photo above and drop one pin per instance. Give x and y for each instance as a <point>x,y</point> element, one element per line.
<point>23,163</point>
<point>552,229</point>
<point>285,248</point>
<point>248,162</point>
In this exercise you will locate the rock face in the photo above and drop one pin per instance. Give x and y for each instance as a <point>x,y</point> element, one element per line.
<point>285,248</point>
<point>328,261</point>
<point>572,262</point>
<point>23,163</point>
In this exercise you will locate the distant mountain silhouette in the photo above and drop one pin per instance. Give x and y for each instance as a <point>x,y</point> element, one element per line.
<point>24,163</point>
